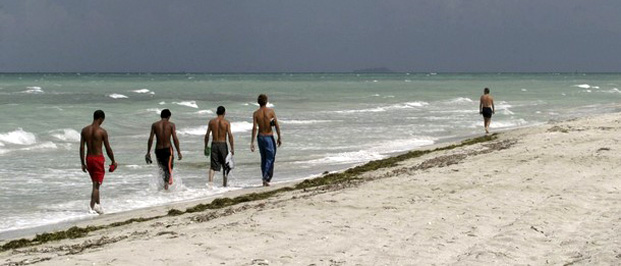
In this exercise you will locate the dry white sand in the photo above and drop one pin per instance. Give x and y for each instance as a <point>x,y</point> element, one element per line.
<point>541,195</point>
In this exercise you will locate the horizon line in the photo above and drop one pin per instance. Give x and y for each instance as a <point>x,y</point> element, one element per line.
<point>313,72</point>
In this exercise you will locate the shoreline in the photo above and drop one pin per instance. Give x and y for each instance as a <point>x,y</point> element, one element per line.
<point>31,232</point>
<point>536,195</point>
<point>99,219</point>
<point>155,211</point>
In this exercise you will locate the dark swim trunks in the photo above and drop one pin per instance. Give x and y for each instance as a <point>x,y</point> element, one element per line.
<point>165,161</point>
<point>487,112</point>
<point>219,150</point>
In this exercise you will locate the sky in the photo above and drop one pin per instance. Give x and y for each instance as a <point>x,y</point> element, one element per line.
<point>310,35</point>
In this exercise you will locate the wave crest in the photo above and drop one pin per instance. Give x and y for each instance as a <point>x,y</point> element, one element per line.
<point>18,137</point>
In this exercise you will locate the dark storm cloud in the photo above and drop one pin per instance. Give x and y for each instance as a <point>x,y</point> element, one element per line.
<point>255,35</point>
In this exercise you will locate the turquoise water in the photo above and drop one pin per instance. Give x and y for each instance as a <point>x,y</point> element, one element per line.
<point>329,122</point>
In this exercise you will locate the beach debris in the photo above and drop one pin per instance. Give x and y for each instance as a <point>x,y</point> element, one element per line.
<point>166,233</point>
<point>174,212</point>
<point>558,129</point>
<point>603,149</point>
<point>260,262</point>
<point>536,230</point>
<point>27,261</point>
<point>441,161</point>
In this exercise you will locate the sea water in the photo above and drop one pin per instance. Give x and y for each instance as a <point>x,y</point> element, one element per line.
<point>329,122</point>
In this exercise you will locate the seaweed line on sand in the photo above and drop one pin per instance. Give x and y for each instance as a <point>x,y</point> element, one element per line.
<point>339,179</point>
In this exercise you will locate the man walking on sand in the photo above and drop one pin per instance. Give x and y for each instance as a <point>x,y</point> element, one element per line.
<point>265,119</point>
<point>486,108</point>
<point>164,129</point>
<point>94,136</point>
<point>220,128</point>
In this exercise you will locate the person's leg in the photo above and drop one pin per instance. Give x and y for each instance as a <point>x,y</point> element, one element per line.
<point>95,194</point>
<point>262,143</point>
<point>487,121</point>
<point>271,155</point>
<point>211,174</point>
<point>224,178</point>
<point>268,153</point>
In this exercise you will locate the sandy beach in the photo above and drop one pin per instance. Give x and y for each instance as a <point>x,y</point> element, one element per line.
<point>548,194</point>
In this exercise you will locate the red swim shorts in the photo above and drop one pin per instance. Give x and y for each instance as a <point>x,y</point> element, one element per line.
<point>95,167</point>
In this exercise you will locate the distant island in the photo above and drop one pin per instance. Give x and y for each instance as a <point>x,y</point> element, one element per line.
<point>373,70</point>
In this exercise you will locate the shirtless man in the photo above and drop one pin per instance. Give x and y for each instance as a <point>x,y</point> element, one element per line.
<point>486,108</point>
<point>164,129</point>
<point>220,128</point>
<point>94,136</point>
<point>265,118</point>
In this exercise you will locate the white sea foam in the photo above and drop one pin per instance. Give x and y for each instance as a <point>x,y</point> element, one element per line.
<point>346,157</point>
<point>236,127</point>
<point>1,144</point>
<point>187,103</point>
<point>117,96</point>
<point>583,86</point>
<point>460,100</point>
<point>67,134</point>
<point>510,123</point>
<point>193,131</point>
<point>507,112</point>
<point>142,91</point>
<point>370,110</point>
<point>162,103</point>
<point>42,146</point>
<point>155,110</point>
<point>270,105</point>
<point>374,153</point>
<point>524,90</point>
<point>243,126</point>
<point>404,144</point>
<point>19,137</point>
<point>34,90</point>
<point>302,122</point>
<point>202,112</point>
<point>416,104</point>
<point>406,105</point>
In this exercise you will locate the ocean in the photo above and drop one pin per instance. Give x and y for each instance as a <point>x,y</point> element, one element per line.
<point>329,122</point>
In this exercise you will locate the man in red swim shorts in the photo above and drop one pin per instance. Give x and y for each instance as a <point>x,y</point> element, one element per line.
<point>94,136</point>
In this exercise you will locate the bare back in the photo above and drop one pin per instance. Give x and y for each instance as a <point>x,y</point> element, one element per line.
<point>263,118</point>
<point>163,130</point>
<point>487,100</point>
<point>219,129</point>
<point>94,137</point>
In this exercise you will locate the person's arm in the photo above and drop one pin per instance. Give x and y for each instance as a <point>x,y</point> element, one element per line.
<point>82,143</point>
<point>231,140</point>
<point>493,107</point>
<point>108,149</point>
<point>277,130</point>
<point>254,131</point>
<point>481,105</point>
<point>176,141</point>
<point>207,136</point>
<point>149,144</point>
